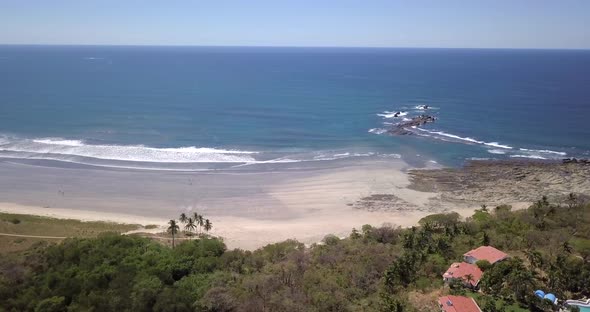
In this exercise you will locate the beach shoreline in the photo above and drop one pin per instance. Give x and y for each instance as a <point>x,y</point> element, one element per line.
<point>250,210</point>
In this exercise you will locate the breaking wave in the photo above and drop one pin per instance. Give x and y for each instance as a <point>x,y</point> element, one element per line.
<point>57,149</point>
<point>528,156</point>
<point>154,158</point>
<point>388,114</point>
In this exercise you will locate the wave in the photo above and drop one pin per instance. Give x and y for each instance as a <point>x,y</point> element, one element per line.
<point>188,158</point>
<point>528,156</point>
<point>57,149</point>
<point>465,139</point>
<point>497,151</point>
<point>543,151</point>
<point>377,130</point>
<point>388,114</point>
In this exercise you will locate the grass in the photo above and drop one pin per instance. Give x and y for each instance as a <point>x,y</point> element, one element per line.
<point>45,226</point>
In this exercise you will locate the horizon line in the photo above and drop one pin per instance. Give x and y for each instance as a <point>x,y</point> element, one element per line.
<point>286,46</point>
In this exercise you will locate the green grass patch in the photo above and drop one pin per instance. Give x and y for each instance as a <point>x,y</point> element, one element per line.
<point>45,226</point>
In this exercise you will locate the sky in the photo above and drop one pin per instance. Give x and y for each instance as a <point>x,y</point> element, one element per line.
<point>553,24</point>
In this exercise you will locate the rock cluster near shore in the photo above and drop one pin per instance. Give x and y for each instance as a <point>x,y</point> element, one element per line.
<point>384,203</point>
<point>504,182</point>
<point>402,127</point>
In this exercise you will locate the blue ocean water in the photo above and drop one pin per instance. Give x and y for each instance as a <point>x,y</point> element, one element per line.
<point>214,107</point>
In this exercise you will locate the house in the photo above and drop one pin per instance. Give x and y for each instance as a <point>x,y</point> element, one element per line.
<point>458,304</point>
<point>488,253</point>
<point>462,271</point>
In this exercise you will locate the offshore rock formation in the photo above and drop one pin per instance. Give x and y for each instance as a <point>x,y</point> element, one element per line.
<point>402,127</point>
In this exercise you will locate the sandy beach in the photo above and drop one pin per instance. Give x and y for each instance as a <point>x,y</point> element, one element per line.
<point>248,209</point>
<point>252,209</point>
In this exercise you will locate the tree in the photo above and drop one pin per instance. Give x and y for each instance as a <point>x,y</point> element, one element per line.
<point>200,221</point>
<point>190,225</point>
<point>208,225</point>
<point>173,229</point>
<point>582,246</point>
<point>355,234</point>
<point>485,239</point>
<point>483,265</point>
<point>196,217</point>
<point>183,218</point>
<point>535,258</point>
<point>469,278</point>
<point>53,304</point>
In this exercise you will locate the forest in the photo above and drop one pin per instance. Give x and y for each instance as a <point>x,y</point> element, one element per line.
<point>385,268</point>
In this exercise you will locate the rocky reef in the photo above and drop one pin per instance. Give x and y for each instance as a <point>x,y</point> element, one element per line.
<point>403,127</point>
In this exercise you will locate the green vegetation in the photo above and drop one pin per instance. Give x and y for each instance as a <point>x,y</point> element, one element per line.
<point>375,269</point>
<point>52,230</point>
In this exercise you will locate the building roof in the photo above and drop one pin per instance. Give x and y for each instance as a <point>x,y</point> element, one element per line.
<point>489,253</point>
<point>458,304</point>
<point>461,270</point>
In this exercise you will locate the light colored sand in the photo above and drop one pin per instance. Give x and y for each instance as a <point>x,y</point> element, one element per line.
<point>311,206</point>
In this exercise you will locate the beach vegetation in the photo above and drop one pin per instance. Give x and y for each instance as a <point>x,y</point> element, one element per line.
<point>384,268</point>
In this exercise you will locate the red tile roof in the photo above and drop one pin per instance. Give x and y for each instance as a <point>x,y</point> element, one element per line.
<point>461,270</point>
<point>489,253</point>
<point>458,304</point>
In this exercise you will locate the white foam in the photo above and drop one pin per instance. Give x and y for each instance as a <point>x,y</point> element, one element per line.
<point>496,144</point>
<point>388,114</point>
<point>497,151</point>
<point>543,151</point>
<point>58,141</point>
<point>466,139</point>
<point>54,148</point>
<point>377,130</point>
<point>528,156</point>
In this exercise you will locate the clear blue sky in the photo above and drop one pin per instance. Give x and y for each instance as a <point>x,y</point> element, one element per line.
<point>378,23</point>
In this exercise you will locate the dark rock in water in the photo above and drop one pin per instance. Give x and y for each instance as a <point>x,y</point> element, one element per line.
<point>575,161</point>
<point>402,127</point>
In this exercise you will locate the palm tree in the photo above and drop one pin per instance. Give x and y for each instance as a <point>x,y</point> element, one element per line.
<point>173,229</point>
<point>196,217</point>
<point>183,218</point>
<point>535,258</point>
<point>469,279</point>
<point>208,225</point>
<point>190,225</point>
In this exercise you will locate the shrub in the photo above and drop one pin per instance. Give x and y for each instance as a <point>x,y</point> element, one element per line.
<point>483,264</point>
<point>331,240</point>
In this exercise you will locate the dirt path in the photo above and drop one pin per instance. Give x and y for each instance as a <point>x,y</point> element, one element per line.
<point>32,236</point>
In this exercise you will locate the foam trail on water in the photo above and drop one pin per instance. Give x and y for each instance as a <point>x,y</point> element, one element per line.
<point>543,151</point>
<point>528,156</point>
<point>465,139</point>
<point>496,151</point>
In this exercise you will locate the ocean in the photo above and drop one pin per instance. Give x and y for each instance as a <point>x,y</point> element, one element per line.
<point>239,108</point>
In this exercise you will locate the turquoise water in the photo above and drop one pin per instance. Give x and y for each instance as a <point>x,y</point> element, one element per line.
<point>203,108</point>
